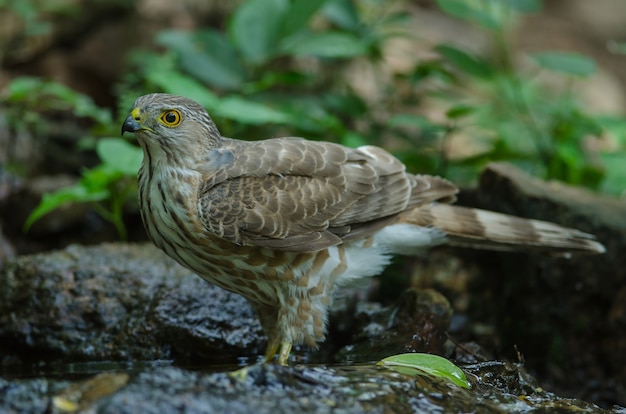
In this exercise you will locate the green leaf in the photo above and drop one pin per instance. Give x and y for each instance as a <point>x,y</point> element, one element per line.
<point>310,114</point>
<point>569,154</point>
<point>255,26</point>
<point>100,177</point>
<point>328,44</point>
<point>19,89</point>
<point>298,15</point>
<point>614,126</point>
<point>344,104</point>
<point>524,6</point>
<point>434,365</point>
<point>470,64</point>
<point>460,111</point>
<point>242,110</point>
<point>206,55</point>
<point>570,63</point>
<point>353,140</point>
<point>42,95</point>
<point>615,178</point>
<point>54,200</point>
<point>434,69</point>
<point>120,155</point>
<point>469,11</point>
<point>415,121</point>
<point>343,14</point>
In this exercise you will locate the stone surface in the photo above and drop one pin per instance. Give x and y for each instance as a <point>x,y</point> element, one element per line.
<point>496,387</point>
<point>566,317</point>
<point>118,302</point>
<point>130,302</point>
<point>417,322</point>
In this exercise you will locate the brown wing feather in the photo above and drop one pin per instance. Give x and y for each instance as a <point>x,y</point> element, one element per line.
<point>428,189</point>
<point>289,193</point>
<point>257,210</point>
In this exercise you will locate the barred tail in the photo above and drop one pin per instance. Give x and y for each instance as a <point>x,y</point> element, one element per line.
<point>481,229</point>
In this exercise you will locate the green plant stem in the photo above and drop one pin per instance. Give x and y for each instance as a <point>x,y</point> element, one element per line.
<point>500,39</point>
<point>543,142</point>
<point>442,166</point>
<point>114,215</point>
<point>117,207</point>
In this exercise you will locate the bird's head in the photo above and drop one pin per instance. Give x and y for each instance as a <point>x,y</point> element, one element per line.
<point>171,126</point>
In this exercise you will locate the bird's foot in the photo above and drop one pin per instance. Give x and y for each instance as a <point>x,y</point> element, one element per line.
<point>239,374</point>
<point>283,358</point>
<point>283,355</point>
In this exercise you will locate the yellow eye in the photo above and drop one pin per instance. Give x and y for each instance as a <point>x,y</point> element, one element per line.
<point>171,118</point>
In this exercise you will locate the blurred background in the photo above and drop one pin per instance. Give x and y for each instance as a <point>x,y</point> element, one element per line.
<point>446,85</point>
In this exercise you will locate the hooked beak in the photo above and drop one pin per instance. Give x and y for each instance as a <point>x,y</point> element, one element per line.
<point>133,122</point>
<point>130,125</point>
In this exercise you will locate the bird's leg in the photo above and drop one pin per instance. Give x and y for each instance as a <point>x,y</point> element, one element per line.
<point>272,348</point>
<point>285,350</point>
<point>270,351</point>
<point>269,316</point>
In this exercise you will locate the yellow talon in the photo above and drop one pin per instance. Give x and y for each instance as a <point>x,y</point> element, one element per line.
<point>240,374</point>
<point>270,352</point>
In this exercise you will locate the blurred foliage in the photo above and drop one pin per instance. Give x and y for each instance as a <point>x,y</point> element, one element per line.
<point>29,13</point>
<point>291,74</point>
<point>285,70</point>
<point>296,72</point>
<point>511,115</point>
<point>27,99</point>
<point>109,185</point>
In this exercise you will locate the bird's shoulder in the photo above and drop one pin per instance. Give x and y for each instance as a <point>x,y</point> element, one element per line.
<point>288,156</point>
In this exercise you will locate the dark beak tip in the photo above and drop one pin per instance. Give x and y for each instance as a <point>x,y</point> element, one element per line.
<point>130,125</point>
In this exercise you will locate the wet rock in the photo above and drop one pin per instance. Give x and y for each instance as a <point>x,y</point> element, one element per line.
<point>28,396</point>
<point>118,302</point>
<point>416,323</point>
<point>7,250</point>
<point>131,302</point>
<point>495,388</point>
<point>566,317</point>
